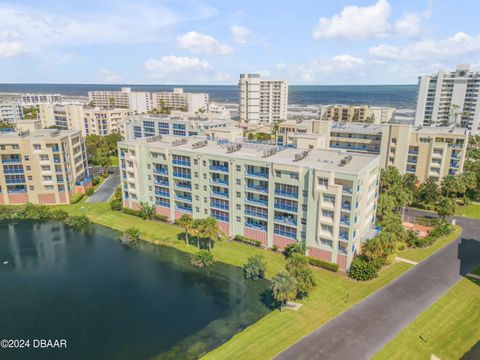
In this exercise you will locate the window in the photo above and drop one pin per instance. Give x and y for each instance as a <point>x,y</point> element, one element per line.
<point>197,209</point>
<point>205,176</point>
<point>204,187</point>
<point>327,228</point>
<point>304,221</point>
<point>195,161</point>
<point>28,168</point>
<point>196,186</point>
<point>278,173</point>
<point>330,199</point>
<point>238,219</point>
<point>238,194</point>
<point>239,168</point>
<point>32,187</point>
<point>239,207</point>
<point>323,181</point>
<point>43,157</point>
<point>15,147</point>
<point>204,163</point>
<point>239,182</point>
<point>197,198</point>
<point>326,242</point>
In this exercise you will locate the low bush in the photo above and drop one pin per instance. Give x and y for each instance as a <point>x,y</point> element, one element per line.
<point>161,217</point>
<point>76,198</point>
<point>130,235</point>
<point>291,249</point>
<point>441,228</point>
<point>274,248</point>
<point>90,191</point>
<point>248,241</point>
<point>361,269</point>
<point>105,174</point>
<point>322,264</point>
<point>201,259</point>
<point>58,214</point>
<point>77,221</point>
<point>132,212</point>
<point>96,180</point>
<point>255,267</point>
<point>116,204</point>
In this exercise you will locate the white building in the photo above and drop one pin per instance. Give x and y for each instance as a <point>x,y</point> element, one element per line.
<point>262,101</point>
<point>35,99</point>
<point>10,112</point>
<point>449,98</point>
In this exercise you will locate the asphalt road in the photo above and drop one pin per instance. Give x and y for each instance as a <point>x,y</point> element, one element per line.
<point>368,326</point>
<point>105,190</point>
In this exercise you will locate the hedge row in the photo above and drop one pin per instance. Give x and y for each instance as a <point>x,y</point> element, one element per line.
<point>248,241</point>
<point>138,213</point>
<point>76,198</point>
<point>322,264</point>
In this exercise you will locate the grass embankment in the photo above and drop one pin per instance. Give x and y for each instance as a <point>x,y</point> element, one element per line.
<point>334,293</point>
<point>448,329</point>
<point>418,254</point>
<point>471,211</point>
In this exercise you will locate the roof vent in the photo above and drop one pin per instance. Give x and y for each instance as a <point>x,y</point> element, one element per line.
<point>233,147</point>
<point>301,156</point>
<point>24,133</point>
<point>346,160</point>
<point>199,144</point>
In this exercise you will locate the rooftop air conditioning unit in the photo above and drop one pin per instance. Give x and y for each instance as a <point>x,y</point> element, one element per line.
<point>301,156</point>
<point>346,160</point>
<point>154,138</point>
<point>199,144</point>
<point>24,133</point>
<point>179,142</point>
<point>233,147</point>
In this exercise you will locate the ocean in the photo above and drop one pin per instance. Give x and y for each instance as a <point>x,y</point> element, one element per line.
<point>400,96</point>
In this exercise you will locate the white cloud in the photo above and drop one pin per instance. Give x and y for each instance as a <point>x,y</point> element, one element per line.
<point>281,66</point>
<point>200,43</point>
<point>367,22</point>
<point>109,76</point>
<point>177,69</point>
<point>12,49</point>
<point>455,47</point>
<point>241,34</point>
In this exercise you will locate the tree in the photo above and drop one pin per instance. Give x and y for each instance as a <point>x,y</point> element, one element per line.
<point>208,229</point>
<point>445,206</point>
<point>392,183</point>
<point>386,204</point>
<point>186,222</point>
<point>284,287</point>
<point>255,267</point>
<point>130,235</point>
<point>428,192</point>
<point>297,265</point>
<point>147,211</point>
<point>381,249</point>
<point>296,248</point>
<point>202,259</point>
<point>451,185</point>
<point>361,269</point>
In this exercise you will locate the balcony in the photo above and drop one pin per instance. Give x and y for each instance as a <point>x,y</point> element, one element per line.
<point>259,214</point>
<point>162,193</point>
<point>346,206</point>
<point>183,186</point>
<point>255,226</point>
<point>284,233</point>
<point>16,191</point>
<point>223,182</point>
<point>345,221</point>
<point>413,152</point>
<point>183,197</point>
<point>160,182</point>
<point>343,236</point>
<point>286,193</point>
<point>181,162</point>
<point>183,208</point>
<point>12,161</point>
<point>13,171</point>
<point>15,181</point>
<point>220,206</point>
<point>257,201</point>
<point>163,171</point>
<point>286,207</point>
<point>257,188</point>
<point>454,165</point>
<point>220,193</point>
<point>162,203</point>
<point>182,175</point>
<point>347,190</point>
<point>220,217</point>
<point>257,174</point>
<point>289,220</point>
<point>219,168</point>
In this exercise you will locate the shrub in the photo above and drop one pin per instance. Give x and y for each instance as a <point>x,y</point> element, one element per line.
<point>116,204</point>
<point>105,174</point>
<point>33,212</point>
<point>58,214</point>
<point>76,198</point>
<point>161,217</point>
<point>201,259</point>
<point>130,235</point>
<point>79,221</point>
<point>255,267</point>
<point>361,269</point>
<point>291,249</point>
<point>89,191</point>
<point>274,248</point>
<point>8,212</point>
<point>131,212</point>
<point>248,241</point>
<point>322,264</point>
<point>96,180</point>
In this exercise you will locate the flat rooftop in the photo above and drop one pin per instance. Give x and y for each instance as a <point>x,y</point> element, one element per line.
<point>357,128</point>
<point>45,134</point>
<point>320,159</point>
<point>168,118</point>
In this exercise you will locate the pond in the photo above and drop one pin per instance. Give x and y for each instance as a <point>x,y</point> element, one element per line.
<point>109,301</point>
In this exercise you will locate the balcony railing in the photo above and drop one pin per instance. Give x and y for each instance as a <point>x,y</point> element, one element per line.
<point>347,190</point>
<point>257,201</point>
<point>162,203</point>
<point>257,188</point>
<point>286,207</point>
<point>182,175</point>
<point>220,206</point>
<point>160,182</point>
<point>12,160</point>
<point>346,206</point>
<point>286,220</point>
<point>162,193</point>
<point>220,193</point>
<point>257,174</point>
<point>260,214</point>
<point>16,191</point>
<point>13,171</point>
<point>345,221</point>
<point>220,217</point>
<point>183,186</point>
<point>219,181</point>
<point>291,194</point>
<point>343,236</point>
<point>219,168</point>
<point>183,197</point>
<point>183,208</point>
<point>163,171</point>
<point>15,181</point>
<point>181,162</point>
<point>284,233</point>
<point>256,226</point>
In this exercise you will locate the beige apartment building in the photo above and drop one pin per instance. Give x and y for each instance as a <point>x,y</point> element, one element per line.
<point>42,166</point>
<point>356,113</point>
<point>324,197</point>
<point>423,151</point>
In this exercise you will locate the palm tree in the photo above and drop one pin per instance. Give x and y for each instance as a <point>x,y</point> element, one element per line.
<point>284,287</point>
<point>186,223</point>
<point>210,230</point>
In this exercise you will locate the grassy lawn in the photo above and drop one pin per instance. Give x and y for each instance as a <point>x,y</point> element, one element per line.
<point>419,254</point>
<point>334,293</point>
<point>471,211</point>
<point>448,329</point>
<point>115,161</point>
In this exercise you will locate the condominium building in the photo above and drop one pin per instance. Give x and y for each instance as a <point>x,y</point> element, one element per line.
<point>423,151</point>
<point>10,112</point>
<point>88,120</point>
<point>42,166</point>
<point>326,198</point>
<point>449,98</point>
<point>140,126</point>
<point>357,113</point>
<point>35,99</point>
<point>142,102</point>
<point>262,101</point>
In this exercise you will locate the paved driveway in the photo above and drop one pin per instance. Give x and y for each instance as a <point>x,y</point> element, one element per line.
<point>105,190</point>
<point>361,331</point>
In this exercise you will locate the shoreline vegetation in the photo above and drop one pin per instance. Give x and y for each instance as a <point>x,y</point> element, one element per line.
<point>334,293</point>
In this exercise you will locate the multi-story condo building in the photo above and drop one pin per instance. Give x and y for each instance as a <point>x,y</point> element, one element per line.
<point>423,151</point>
<point>357,113</point>
<point>140,126</point>
<point>10,112</point>
<point>35,99</point>
<point>42,166</point>
<point>143,102</point>
<point>262,101</point>
<point>449,98</point>
<point>88,120</point>
<point>279,196</point>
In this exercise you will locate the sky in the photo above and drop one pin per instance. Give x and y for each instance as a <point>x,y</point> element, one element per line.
<point>212,42</point>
